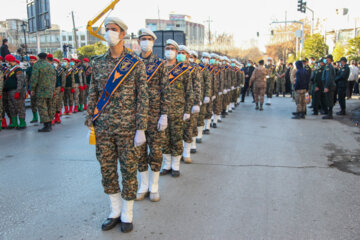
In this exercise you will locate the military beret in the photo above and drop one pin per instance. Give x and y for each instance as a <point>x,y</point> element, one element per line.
<point>194,53</point>
<point>86,60</point>
<point>50,56</point>
<point>146,32</point>
<point>214,55</point>
<point>66,59</point>
<point>184,48</point>
<point>72,60</point>
<point>116,21</point>
<point>330,57</point>
<point>42,55</point>
<point>343,59</point>
<point>10,58</point>
<point>33,58</point>
<point>205,54</point>
<point>233,60</point>
<point>173,43</point>
<point>56,60</point>
<point>77,60</point>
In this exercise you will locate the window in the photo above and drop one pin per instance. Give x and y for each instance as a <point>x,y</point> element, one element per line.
<point>177,25</point>
<point>70,38</point>
<point>82,37</point>
<point>64,38</point>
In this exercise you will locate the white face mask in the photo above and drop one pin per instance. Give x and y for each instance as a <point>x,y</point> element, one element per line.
<point>205,60</point>
<point>191,60</point>
<point>112,38</point>
<point>146,46</point>
<point>170,55</point>
<point>56,65</point>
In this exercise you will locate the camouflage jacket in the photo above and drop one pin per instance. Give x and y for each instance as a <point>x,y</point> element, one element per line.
<point>78,75</point>
<point>271,71</point>
<point>69,78</point>
<point>280,71</point>
<point>181,94</point>
<point>158,90</point>
<point>196,84</point>
<point>205,83</point>
<point>258,78</point>
<point>43,78</point>
<point>127,110</point>
<point>219,78</point>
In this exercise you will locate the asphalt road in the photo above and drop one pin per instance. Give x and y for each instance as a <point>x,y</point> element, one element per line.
<point>260,175</point>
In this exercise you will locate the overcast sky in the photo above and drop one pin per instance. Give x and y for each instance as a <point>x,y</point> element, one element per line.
<point>241,18</point>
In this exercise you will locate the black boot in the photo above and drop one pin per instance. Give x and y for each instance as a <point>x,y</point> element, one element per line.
<point>342,112</point>
<point>297,116</point>
<point>283,94</point>
<point>46,128</point>
<point>110,223</point>
<point>261,107</point>
<point>327,117</point>
<point>206,132</point>
<point>302,115</point>
<point>165,172</point>
<point>257,106</point>
<point>126,227</point>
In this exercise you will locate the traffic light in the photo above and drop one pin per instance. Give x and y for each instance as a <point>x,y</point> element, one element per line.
<point>272,32</point>
<point>304,7</point>
<point>300,4</point>
<point>257,34</point>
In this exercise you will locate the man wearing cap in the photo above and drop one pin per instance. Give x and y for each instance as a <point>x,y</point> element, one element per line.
<point>184,56</point>
<point>159,103</point>
<point>341,84</point>
<point>42,82</point>
<point>118,110</point>
<point>206,94</point>
<point>328,79</point>
<point>59,91</point>
<point>248,70</point>
<point>69,85</point>
<point>226,71</point>
<point>218,90</point>
<point>78,75</point>
<point>280,78</point>
<point>14,86</point>
<point>318,86</point>
<point>181,103</point>
<point>208,76</point>
<point>28,71</point>
<point>87,70</point>
<point>50,60</point>
<point>270,80</point>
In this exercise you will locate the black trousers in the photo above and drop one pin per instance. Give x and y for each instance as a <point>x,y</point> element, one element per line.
<point>350,88</point>
<point>341,97</point>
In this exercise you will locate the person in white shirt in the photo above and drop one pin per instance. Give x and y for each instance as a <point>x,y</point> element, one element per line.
<point>353,77</point>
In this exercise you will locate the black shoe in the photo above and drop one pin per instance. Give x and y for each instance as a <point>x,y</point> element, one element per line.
<point>297,116</point>
<point>33,121</point>
<point>230,111</point>
<point>257,107</point>
<point>165,172</point>
<point>226,113</point>
<point>315,113</point>
<point>302,115</point>
<point>206,132</point>
<point>311,107</point>
<point>277,95</point>
<point>242,101</point>
<point>327,117</point>
<point>110,223</point>
<point>175,173</point>
<point>46,128</point>
<point>283,94</point>
<point>219,120</point>
<point>214,125</point>
<point>126,227</point>
<point>341,113</point>
<point>198,140</point>
<point>192,150</point>
<point>295,113</point>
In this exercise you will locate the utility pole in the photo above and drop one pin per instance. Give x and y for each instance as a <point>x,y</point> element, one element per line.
<point>74,31</point>
<point>209,23</point>
<point>312,20</point>
<point>159,24</point>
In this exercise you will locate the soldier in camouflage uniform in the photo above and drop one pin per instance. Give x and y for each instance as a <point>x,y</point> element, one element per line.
<point>226,71</point>
<point>120,127</point>
<point>59,91</point>
<point>218,90</point>
<point>258,78</point>
<point>210,64</point>
<point>158,81</point>
<point>79,86</point>
<point>270,82</point>
<point>42,86</point>
<point>87,70</point>
<point>28,71</point>
<point>14,86</point>
<point>280,78</point>
<point>240,78</point>
<point>206,94</point>
<point>181,102</point>
<point>233,92</point>
<point>196,85</point>
<point>69,86</point>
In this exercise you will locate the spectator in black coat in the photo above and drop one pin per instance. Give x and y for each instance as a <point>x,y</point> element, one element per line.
<point>4,49</point>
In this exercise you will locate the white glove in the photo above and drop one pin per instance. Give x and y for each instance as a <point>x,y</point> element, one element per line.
<point>195,109</point>
<point>220,93</point>
<point>232,88</point>
<point>242,85</point>
<point>162,123</point>
<point>200,103</point>
<point>186,116</point>
<point>224,91</point>
<point>206,100</point>
<point>139,138</point>
<point>213,98</point>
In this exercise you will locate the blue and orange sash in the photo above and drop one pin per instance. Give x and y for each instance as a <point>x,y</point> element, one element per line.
<point>120,72</point>
<point>177,71</point>
<point>69,71</point>
<point>10,72</point>
<point>211,68</point>
<point>218,71</point>
<point>202,67</point>
<point>152,68</point>
<point>4,68</point>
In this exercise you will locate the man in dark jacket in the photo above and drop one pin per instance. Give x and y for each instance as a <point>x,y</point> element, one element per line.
<point>248,70</point>
<point>328,79</point>
<point>301,87</point>
<point>341,79</point>
<point>4,49</point>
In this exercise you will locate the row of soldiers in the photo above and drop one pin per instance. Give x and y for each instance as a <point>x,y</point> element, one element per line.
<point>149,113</point>
<point>69,81</point>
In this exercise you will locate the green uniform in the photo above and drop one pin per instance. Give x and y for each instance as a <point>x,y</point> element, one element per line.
<point>205,92</point>
<point>69,85</point>
<point>42,83</point>
<point>219,89</point>
<point>318,96</point>
<point>78,95</point>
<point>341,85</point>
<point>87,81</point>
<point>59,95</point>
<point>280,79</point>
<point>270,81</point>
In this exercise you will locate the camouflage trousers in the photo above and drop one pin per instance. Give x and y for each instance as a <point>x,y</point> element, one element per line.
<point>300,100</point>
<point>16,106</point>
<point>109,150</point>
<point>174,135</point>
<point>190,129</point>
<point>44,106</point>
<point>68,97</point>
<point>153,157</point>
<point>81,97</point>
<point>77,95</point>
<point>226,101</point>
<point>280,85</point>
<point>201,117</point>
<point>33,104</point>
<point>218,105</point>
<point>209,110</point>
<point>270,87</point>
<point>59,99</point>
<point>5,105</point>
<point>259,93</point>
<point>234,95</point>
<point>86,94</point>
